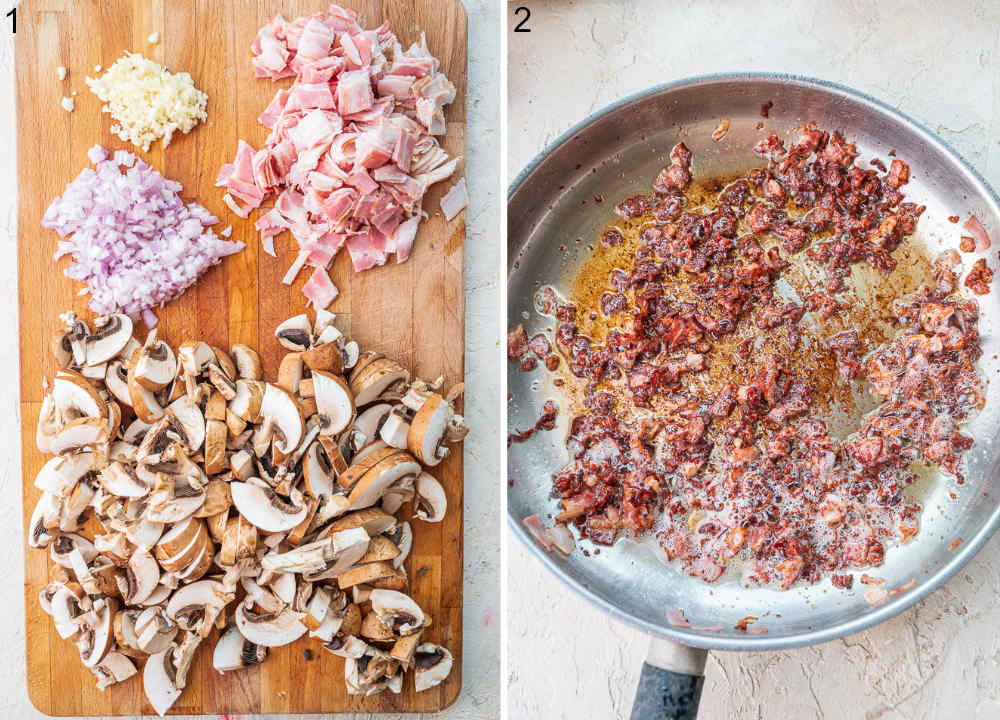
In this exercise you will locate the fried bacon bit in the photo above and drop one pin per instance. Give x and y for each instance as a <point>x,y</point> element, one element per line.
<point>842,581</point>
<point>534,525</point>
<point>967,244</point>
<point>562,538</point>
<point>953,219</point>
<point>720,131</point>
<point>954,544</point>
<point>765,109</point>
<point>552,362</point>
<point>744,624</point>
<point>611,238</point>
<point>903,588</point>
<point>517,343</point>
<point>633,207</point>
<point>546,422</point>
<point>875,594</point>
<point>978,232</point>
<point>979,278</point>
<point>677,176</point>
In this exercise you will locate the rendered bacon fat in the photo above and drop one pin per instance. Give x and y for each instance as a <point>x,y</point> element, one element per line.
<point>352,148</point>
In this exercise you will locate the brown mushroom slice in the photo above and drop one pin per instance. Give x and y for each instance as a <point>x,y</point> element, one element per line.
<point>280,408</point>
<point>334,402</point>
<point>218,498</point>
<point>363,361</point>
<point>269,629</point>
<point>201,565</point>
<point>295,333</point>
<point>190,423</point>
<point>61,349</point>
<point>75,397</point>
<point>374,631</point>
<point>298,533</point>
<point>215,447</point>
<point>361,465</point>
<point>401,492</point>
<point>402,537</point>
<point>432,503</point>
<point>264,508</point>
<point>373,520</point>
<point>348,645</point>
<point>397,581</point>
<point>428,429</point>
<point>221,381</point>
<point>179,539</point>
<point>370,382</point>
<point>433,665</point>
<point>326,356</point>
<point>247,362</point>
<point>290,372</point>
<point>233,651</point>
<point>156,365</point>
<point>368,490</point>
<point>406,647</point>
<point>397,611</point>
<point>364,574</point>
<point>239,541</point>
<point>380,548</point>
<point>144,401</point>
<point>116,381</point>
<point>100,639</point>
<point>110,337</point>
<point>113,669</point>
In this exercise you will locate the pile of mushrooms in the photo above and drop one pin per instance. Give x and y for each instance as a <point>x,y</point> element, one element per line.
<point>185,493</point>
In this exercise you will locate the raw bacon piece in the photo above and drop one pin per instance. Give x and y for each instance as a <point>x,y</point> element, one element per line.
<point>319,289</point>
<point>455,200</point>
<point>354,92</point>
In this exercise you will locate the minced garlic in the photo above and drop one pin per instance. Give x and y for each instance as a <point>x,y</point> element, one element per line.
<point>154,38</point>
<point>68,104</point>
<point>61,72</point>
<point>147,102</point>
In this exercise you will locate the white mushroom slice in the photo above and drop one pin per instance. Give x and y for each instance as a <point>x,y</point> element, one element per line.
<point>74,507</point>
<point>283,585</point>
<point>324,320</point>
<point>295,333</point>
<point>121,451</point>
<point>402,491</point>
<point>402,537</point>
<point>77,332</point>
<point>348,646</point>
<point>158,596</point>
<point>247,362</point>
<point>347,545</point>
<point>241,464</point>
<point>395,430</point>
<point>44,520</point>
<point>370,382</point>
<point>144,533</point>
<point>195,607</point>
<point>428,429</point>
<point>156,367</point>
<point>153,631</point>
<point>432,503</point>
<point>100,638</point>
<point>369,422</point>
<point>280,407</point>
<point>221,381</point>
<point>158,681</point>
<point>85,432</point>
<point>65,544</point>
<point>268,629</point>
<point>121,480</point>
<point>173,504</point>
<point>261,596</point>
<point>48,424</point>
<point>61,474</point>
<point>397,612</point>
<point>369,449</point>
<point>135,432</point>
<point>110,338</point>
<point>143,400</point>
<point>114,668</point>
<point>317,471</point>
<point>334,402</point>
<point>141,578</point>
<point>330,506</point>
<point>368,490</point>
<point>190,422</point>
<point>433,665</point>
<point>233,652</point>
<point>61,349</point>
<point>328,628</point>
<point>264,508</point>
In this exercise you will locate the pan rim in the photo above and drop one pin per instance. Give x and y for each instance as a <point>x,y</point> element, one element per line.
<point>901,602</point>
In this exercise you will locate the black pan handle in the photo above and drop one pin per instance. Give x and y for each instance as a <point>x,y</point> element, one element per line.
<point>670,683</point>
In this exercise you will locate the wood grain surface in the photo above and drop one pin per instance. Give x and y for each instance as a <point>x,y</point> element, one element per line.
<point>413,312</point>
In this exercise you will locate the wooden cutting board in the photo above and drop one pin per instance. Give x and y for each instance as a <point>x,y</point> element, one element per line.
<point>413,312</point>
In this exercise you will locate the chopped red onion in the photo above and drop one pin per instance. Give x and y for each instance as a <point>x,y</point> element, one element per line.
<point>133,240</point>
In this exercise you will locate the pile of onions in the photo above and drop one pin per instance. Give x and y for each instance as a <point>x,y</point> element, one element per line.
<point>134,242</point>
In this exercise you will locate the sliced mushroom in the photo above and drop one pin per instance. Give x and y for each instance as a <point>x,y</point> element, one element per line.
<point>121,480</point>
<point>400,492</point>
<point>365,574</point>
<point>221,381</point>
<point>432,503</point>
<point>373,520</point>
<point>269,629</point>
<point>190,422</point>
<point>215,447</point>
<point>143,400</point>
<point>156,365</point>
<point>317,471</point>
<point>195,607</point>
<point>116,380</point>
<point>280,409</point>
<point>114,668</point>
<point>368,490</point>
<point>428,429</point>
<point>290,372</point>
<point>340,549</point>
<point>141,577</point>
<point>75,397</point>
<point>233,652</point>
<point>48,424</point>
<point>159,681</point>
<point>110,338</point>
<point>395,430</point>
<point>402,537</point>
<point>370,381</point>
<point>64,545</point>
<point>61,474</point>
<point>397,612</point>
<point>98,638</point>
<point>327,356</point>
<point>153,631</point>
<point>334,402</point>
<point>264,508</point>
<point>295,333</point>
<point>433,665</point>
<point>247,362</point>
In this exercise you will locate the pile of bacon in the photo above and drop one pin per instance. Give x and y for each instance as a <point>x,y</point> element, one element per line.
<point>749,469</point>
<point>351,150</point>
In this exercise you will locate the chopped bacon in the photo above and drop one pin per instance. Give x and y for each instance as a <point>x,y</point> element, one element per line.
<point>978,232</point>
<point>319,289</point>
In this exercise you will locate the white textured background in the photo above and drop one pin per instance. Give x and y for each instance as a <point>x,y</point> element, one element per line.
<point>935,61</point>
<point>481,675</point>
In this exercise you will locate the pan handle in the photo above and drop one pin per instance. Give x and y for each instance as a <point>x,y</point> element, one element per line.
<point>670,683</point>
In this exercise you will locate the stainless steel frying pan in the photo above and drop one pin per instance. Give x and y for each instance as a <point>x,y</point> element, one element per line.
<point>553,218</point>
